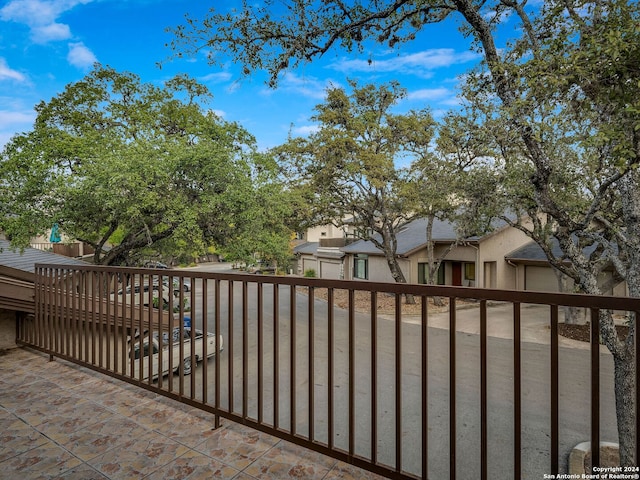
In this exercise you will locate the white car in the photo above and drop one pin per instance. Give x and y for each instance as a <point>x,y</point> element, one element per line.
<point>151,346</point>
<point>178,285</point>
<point>148,295</point>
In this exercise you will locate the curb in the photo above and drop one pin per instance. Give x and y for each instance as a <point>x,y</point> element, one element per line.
<point>580,457</point>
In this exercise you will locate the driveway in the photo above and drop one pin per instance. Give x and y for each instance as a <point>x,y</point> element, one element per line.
<point>574,382</point>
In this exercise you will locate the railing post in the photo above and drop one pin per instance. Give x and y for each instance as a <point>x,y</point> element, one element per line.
<point>398,383</point>
<point>517,393</point>
<point>452,388</point>
<point>554,400</point>
<point>595,389</point>
<point>636,316</point>
<point>424,331</point>
<point>483,390</point>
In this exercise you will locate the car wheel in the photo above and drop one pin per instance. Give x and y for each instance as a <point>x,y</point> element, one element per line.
<point>186,366</point>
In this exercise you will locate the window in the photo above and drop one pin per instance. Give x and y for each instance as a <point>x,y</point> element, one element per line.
<point>423,269</point>
<point>361,267</point>
<point>470,271</point>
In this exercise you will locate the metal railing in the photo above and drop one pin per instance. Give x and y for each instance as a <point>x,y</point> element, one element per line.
<point>329,365</point>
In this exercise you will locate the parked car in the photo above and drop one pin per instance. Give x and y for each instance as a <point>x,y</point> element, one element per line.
<point>151,297</point>
<point>261,268</point>
<point>148,295</point>
<point>140,351</point>
<point>154,264</point>
<point>178,284</point>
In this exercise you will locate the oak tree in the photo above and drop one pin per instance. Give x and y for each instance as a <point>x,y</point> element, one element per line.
<point>565,90</point>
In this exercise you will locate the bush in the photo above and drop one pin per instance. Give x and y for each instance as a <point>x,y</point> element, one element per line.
<point>311,273</point>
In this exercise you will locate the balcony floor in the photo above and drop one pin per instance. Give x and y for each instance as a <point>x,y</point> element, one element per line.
<point>59,420</point>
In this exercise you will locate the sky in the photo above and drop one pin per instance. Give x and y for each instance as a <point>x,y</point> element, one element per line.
<point>47,44</point>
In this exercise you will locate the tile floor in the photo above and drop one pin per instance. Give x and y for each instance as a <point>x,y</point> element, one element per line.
<point>62,421</point>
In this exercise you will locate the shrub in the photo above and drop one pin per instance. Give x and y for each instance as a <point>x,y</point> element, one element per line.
<point>311,273</point>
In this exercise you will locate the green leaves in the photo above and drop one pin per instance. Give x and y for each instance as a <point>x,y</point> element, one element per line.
<point>115,161</point>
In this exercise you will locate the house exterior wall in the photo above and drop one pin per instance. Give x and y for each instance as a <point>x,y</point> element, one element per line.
<point>461,253</point>
<point>314,234</point>
<point>307,262</point>
<point>491,269</point>
<point>7,329</point>
<point>493,249</point>
<point>377,268</point>
<point>543,279</point>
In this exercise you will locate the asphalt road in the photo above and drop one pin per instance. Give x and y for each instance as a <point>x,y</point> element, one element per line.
<point>574,385</point>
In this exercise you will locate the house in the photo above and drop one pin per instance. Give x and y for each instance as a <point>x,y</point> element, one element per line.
<point>475,261</point>
<point>534,272</point>
<point>321,252</point>
<point>66,246</point>
<point>17,269</point>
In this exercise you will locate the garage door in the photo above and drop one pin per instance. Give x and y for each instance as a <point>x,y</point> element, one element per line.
<point>541,279</point>
<point>309,264</point>
<point>330,270</point>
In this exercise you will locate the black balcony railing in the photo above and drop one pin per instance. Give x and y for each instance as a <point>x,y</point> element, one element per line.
<point>331,366</point>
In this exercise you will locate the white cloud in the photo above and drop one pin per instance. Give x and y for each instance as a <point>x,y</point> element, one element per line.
<point>420,63</point>
<point>51,32</point>
<point>7,73</point>
<point>218,77</point>
<point>9,119</point>
<point>13,122</point>
<point>80,56</point>
<point>40,16</point>
<point>304,130</point>
<point>440,96</point>
<point>429,94</point>
<point>307,86</point>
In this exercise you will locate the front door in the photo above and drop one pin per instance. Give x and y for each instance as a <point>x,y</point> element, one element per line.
<point>456,274</point>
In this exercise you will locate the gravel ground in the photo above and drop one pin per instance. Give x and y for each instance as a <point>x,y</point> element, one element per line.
<point>581,332</point>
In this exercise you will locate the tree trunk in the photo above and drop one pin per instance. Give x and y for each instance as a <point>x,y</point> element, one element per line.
<point>398,276</point>
<point>389,247</point>
<point>572,315</point>
<point>624,360</point>
<point>432,270</point>
<point>624,389</point>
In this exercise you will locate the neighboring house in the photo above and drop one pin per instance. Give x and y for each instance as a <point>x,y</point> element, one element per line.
<point>17,285</point>
<point>321,250</point>
<point>476,261</point>
<point>65,246</point>
<point>534,272</point>
<point>315,234</point>
<point>473,262</point>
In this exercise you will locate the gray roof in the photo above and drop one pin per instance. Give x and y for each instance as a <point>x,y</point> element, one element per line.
<point>309,248</point>
<point>532,252</point>
<point>26,260</point>
<point>411,236</point>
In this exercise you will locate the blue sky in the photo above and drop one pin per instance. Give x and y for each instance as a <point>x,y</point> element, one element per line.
<point>47,44</point>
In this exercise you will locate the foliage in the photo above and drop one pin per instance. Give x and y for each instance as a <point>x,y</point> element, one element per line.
<point>557,108</point>
<point>310,273</point>
<point>444,181</point>
<point>349,164</point>
<point>136,167</point>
